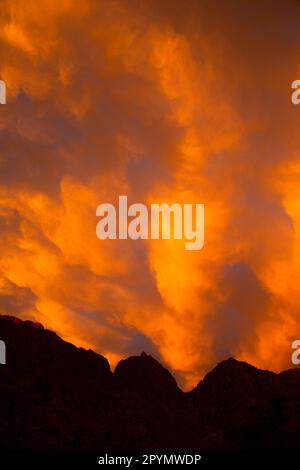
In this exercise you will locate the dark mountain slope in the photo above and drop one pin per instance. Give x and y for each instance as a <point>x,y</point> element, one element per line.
<point>54,396</point>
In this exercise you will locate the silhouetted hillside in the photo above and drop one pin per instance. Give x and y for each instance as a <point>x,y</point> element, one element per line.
<point>57,396</point>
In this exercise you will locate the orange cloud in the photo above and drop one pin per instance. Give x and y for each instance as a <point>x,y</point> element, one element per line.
<point>187,104</point>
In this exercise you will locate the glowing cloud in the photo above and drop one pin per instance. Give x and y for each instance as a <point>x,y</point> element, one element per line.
<point>186,103</point>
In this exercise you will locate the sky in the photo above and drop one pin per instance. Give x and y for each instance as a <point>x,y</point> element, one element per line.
<point>188,102</point>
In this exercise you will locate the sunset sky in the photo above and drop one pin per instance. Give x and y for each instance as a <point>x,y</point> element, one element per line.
<point>164,101</point>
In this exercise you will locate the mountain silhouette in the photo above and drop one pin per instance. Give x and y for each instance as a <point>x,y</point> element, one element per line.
<point>57,396</point>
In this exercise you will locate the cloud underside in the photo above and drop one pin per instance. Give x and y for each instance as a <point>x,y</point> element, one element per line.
<point>186,103</point>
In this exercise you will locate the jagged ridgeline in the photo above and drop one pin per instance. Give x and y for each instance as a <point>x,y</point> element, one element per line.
<point>55,395</point>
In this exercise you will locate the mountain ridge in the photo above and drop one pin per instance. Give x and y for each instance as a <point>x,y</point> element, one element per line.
<point>55,395</point>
